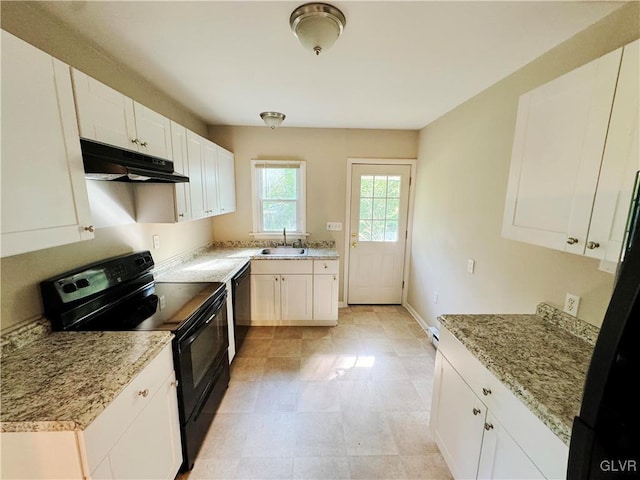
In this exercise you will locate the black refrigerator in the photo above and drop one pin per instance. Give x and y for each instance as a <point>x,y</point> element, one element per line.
<point>605,439</point>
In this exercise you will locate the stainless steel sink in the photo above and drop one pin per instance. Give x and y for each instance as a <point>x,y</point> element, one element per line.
<point>284,251</point>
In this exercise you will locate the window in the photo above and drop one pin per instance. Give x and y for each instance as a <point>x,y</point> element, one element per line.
<point>379,207</point>
<point>278,197</point>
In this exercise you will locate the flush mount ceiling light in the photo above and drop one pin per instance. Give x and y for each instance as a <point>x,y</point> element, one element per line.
<point>272,119</point>
<point>317,25</point>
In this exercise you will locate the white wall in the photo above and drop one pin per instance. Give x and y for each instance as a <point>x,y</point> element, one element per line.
<point>463,165</point>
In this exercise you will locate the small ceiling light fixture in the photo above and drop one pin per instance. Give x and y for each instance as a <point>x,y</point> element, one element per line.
<point>272,119</point>
<point>317,25</point>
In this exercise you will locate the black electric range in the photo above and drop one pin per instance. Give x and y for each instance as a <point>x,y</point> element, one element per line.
<point>120,293</point>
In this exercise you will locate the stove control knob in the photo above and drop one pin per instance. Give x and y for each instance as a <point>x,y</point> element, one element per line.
<point>69,287</point>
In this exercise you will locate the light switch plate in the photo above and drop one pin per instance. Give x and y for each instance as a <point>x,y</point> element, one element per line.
<point>334,226</point>
<point>156,241</point>
<point>471,265</point>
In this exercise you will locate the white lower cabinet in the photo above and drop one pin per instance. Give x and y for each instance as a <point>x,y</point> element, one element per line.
<point>288,292</point>
<point>136,436</point>
<point>482,430</point>
<point>325,289</point>
<point>501,457</point>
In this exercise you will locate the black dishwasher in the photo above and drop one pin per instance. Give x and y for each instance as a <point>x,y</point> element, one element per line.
<point>241,304</point>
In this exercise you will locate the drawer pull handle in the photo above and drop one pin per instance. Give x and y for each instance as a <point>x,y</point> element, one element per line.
<point>144,393</point>
<point>486,391</point>
<point>90,229</point>
<point>572,240</point>
<point>488,426</point>
<point>136,141</point>
<point>144,144</point>
<point>593,245</point>
<point>477,411</point>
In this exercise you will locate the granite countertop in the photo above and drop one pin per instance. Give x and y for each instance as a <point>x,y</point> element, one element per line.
<point>64,380</point>
<point>542,358</point>
<point>220,262</point>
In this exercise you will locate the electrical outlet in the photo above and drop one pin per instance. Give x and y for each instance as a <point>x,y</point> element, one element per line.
<point>156,241</point>
<point>571,304</point>
<point>435,297</point>
<point>334,226</point>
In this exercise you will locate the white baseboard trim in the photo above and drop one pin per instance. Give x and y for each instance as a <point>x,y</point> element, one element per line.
<point>423,323</point>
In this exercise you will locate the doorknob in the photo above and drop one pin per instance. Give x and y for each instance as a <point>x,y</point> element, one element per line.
<point>353,245</point>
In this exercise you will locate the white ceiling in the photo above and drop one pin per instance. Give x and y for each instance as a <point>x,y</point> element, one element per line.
<point>398,65</point>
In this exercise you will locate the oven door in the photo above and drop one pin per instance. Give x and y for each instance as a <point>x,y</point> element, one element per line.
<point>199,352</point>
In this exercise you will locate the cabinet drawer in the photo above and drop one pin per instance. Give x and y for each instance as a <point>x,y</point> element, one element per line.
<point>544,447</point>
<point>104,431</point>
<point>281,266</point>
<point>326,266</point>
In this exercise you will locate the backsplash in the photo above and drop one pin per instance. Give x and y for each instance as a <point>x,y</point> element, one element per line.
<point>24,335</point>
<point>574,325</point>
<point>269,243</point>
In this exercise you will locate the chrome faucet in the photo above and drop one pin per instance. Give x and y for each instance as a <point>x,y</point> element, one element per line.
<point>284,234</point>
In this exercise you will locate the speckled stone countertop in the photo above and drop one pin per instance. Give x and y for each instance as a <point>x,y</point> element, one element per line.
<point>64,380</point>
<point>219,262</point>
<point>542,358</point>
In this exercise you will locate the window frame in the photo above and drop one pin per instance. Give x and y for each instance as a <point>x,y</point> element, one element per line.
<point>301,205</point>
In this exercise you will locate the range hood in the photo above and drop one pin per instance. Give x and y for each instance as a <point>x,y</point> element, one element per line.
<point>106,162</point>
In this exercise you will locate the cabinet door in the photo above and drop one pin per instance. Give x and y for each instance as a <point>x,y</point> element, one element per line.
<point>195,157</point>
<point>265,297</point>
<point>502,457</point>
<point>153,131</point>
<point>44,192</point>
<point>620,163</point>
<point>226,182</point>
<point>325,297</point>
<point>180,165</point>
<point>104,114</point>
<point>457,420</point>
<point>297,297</point>
<point>150,448</point>
<point>210,174</point>
<point>560,134</point>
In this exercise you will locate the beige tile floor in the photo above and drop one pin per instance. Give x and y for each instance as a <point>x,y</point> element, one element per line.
<point>350,401</point>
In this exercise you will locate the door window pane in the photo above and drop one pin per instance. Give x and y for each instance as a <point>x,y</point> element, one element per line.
<point>379,208</point>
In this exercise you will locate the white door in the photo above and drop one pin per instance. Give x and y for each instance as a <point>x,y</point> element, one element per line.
<point>620,163</point>
<point>502,457</point>
<point>181,165</point>
<point>104,114</point>
<point>154,132</point>
<point>195,154</point>
<point>561,128</point>
<point>378,233</point>
<point>457,420</point>
<point>296,297</point>
<point>265,298</point>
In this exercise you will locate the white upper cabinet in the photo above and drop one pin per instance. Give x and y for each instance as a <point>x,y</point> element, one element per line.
<point>226,182</point>
<point>211,177</point>
<point>560,135</point>
<point>105,115</point>
<point>620,163</point>
<point>195,157</point>
<point>44,195</point>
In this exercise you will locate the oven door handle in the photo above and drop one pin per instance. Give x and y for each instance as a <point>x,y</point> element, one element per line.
<point>192,338</point>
